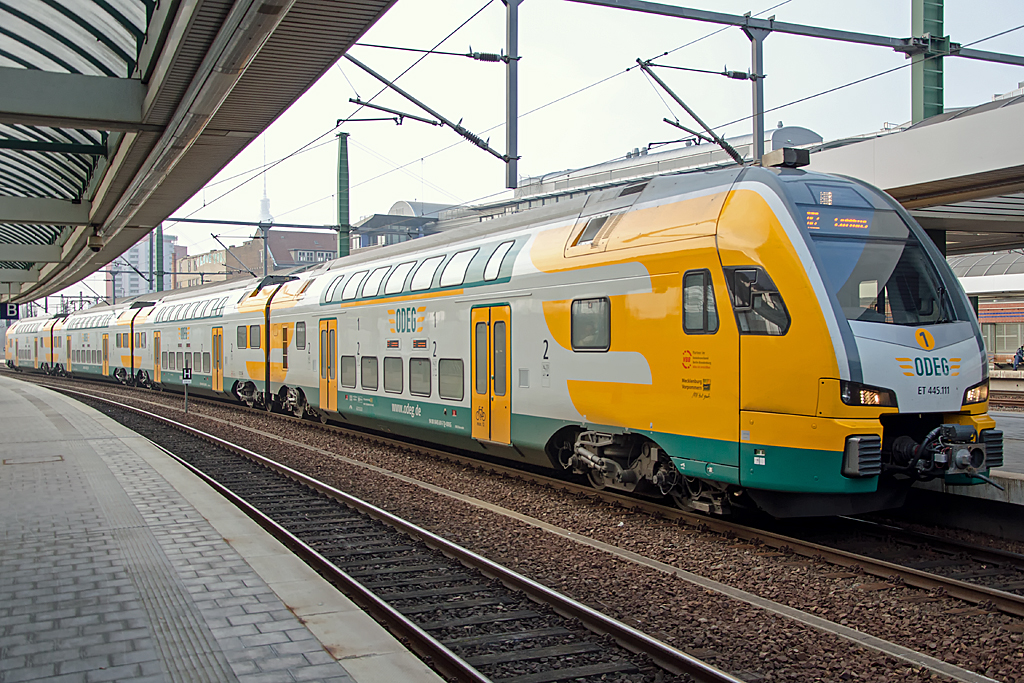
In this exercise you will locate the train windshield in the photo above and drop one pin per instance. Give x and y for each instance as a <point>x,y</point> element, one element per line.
<point>875,265</point>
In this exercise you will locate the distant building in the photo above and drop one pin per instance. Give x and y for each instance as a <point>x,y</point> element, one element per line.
<point>122,279</point>
<point>288,249</point>
<point>403,221</point>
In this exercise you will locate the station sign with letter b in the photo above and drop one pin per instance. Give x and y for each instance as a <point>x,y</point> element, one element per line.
<point>8,311</point>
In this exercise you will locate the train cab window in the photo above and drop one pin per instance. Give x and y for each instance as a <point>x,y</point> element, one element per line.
<point>352,288</point>
<point>206,362</point>
<point>254,336</point>
<point>756,301</point>
<point>240,333</point>
<point>454,274</point>
<point>300,335</point>
<point>700,314</point>
<point>368,369</point>
<point>493,267</point>
<point>419,376</point>
<point>348,372</point>
<point>591,322</point>
<point>450,379</point>
<point>372,286</point>
<point>396,282</point>
<point>425,273</point>
<point>393,375</point>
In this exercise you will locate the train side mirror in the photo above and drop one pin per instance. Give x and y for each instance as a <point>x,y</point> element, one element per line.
<point>743,286</point>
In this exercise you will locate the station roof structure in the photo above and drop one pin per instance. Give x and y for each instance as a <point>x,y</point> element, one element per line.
<point>114,112</point>
<point>961,172</point>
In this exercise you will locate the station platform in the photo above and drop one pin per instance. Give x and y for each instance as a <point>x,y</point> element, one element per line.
<point>117,563</point>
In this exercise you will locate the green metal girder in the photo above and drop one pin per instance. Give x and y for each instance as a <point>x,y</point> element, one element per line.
<point>926,80</point>
<point>58,147</point>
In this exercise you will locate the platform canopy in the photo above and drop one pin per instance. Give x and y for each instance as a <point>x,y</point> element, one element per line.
<point>114,112</point>
<point>960,172</point>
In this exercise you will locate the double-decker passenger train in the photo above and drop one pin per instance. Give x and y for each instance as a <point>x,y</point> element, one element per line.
<point>594,334</point>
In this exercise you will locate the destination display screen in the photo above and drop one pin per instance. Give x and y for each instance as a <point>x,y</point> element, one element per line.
<point>843,221</point>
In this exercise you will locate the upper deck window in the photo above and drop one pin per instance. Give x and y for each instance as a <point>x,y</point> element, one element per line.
<point>493,267</point>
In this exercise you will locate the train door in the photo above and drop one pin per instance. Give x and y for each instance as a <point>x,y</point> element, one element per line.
<point>67,353</point>
<point>106,354</point>
<point>328,364</point>
<point>491,361</point>
<point>218,359</point>
<point>156,357</point>
<point>35,353</point>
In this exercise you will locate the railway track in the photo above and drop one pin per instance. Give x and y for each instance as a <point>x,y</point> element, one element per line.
<point>473,619</point>
<point>1006,399</point>
<point>989,580</point>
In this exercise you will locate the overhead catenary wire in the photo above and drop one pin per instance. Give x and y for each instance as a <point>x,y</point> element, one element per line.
<point>335,127</point>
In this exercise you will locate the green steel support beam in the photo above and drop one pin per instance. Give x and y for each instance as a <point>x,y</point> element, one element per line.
<point>63,100</point>
<point>926,19</point>
<point>57,147</point>
<point>36,253</point>
<point>43,211</point>
<point>17,275</point>
<point>343,224</point>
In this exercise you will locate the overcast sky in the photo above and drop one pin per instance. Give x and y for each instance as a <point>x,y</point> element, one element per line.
<point>565,47</point>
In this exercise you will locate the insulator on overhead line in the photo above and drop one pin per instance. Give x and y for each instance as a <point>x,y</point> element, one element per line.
<point>486,56</point>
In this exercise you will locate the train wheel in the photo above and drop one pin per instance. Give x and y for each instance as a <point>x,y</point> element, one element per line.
<point>322,416</point>
<point>597,479</point>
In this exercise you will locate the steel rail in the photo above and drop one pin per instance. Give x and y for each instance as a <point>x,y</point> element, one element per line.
<point>1003,601</point>
<point>666,656</point>
<point>909,535</point>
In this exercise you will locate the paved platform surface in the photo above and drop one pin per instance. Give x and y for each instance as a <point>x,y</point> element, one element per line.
<point>117,564</point>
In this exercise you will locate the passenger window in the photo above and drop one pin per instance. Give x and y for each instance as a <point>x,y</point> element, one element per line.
<point>591,325</point>
<point>197,361</point>
<point>481,358</point>
<point>300,335</point>
<point>493,267</point>
<point>368,369</point>
<point>348,371</point>
<point>425,273</point>
<point>254,336</point>
<point>419,376</point>
<point>329,295</point>
<point>180,361</point>
<point>163,360</point>
<point>700,316</point>
<point>353,286</point>
<point>450,379</point>
<point>756,301</point>
<point>396,283</point>
<point>454,273</point>
<point>240,333</point>
<point>393,375</point>
<point>206,362</point>
<point>372,286</point>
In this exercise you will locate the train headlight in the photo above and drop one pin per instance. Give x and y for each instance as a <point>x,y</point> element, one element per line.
<point>855,394</point>
<point>976,394</point>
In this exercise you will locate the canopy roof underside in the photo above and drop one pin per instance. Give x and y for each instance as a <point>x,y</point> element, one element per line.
<point>106,103</point>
